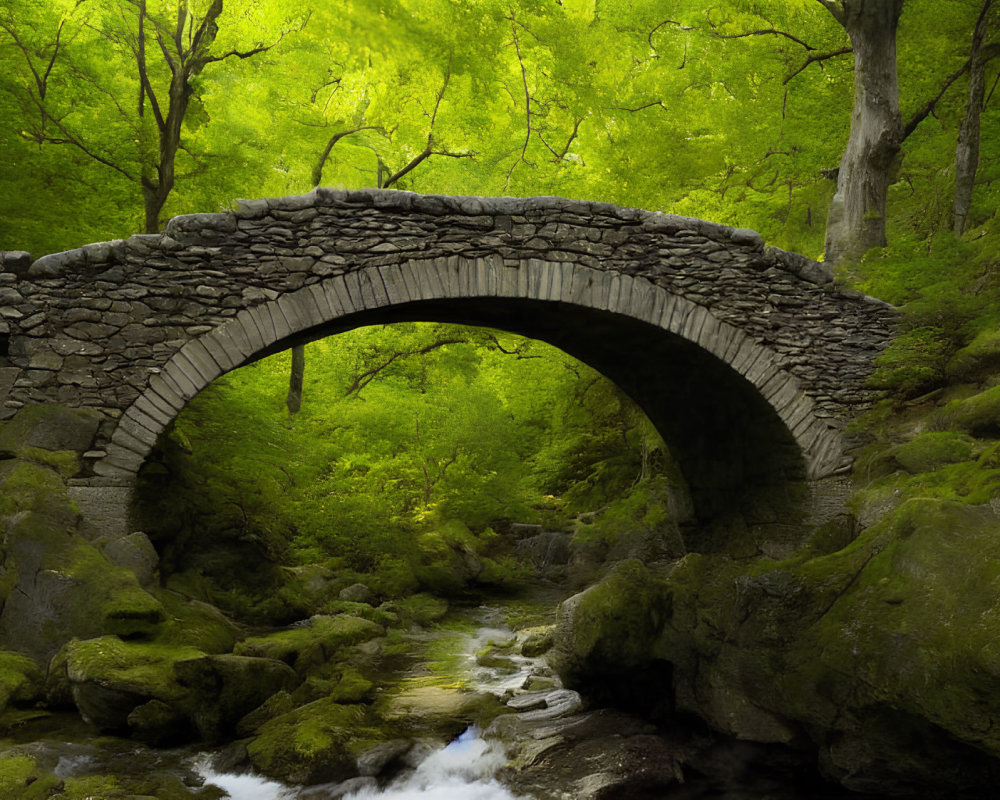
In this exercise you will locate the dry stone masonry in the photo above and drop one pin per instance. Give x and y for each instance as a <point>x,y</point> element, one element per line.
<point>136,328</point>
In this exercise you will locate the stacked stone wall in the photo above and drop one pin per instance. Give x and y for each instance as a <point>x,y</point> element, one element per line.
<point>92,326</point>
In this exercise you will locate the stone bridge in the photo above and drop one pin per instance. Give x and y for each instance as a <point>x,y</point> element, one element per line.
<point>748,359</point>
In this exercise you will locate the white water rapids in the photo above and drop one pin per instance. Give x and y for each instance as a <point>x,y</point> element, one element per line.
<point>461,771</point>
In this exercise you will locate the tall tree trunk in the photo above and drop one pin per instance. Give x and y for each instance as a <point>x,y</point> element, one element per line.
<point>856,220</point>
<point>967,150</point>
<point>295,379</point>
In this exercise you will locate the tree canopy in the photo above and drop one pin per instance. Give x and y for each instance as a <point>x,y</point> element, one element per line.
<point>120,113</point>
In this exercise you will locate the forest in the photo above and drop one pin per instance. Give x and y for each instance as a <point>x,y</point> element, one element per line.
<point>318,506</point>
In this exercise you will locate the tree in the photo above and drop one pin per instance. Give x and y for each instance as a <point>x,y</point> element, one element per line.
<point>77,82</point>
<point>967,149</point>
<point>856,220</point>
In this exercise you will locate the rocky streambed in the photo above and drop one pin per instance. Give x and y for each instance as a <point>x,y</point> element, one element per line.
<point>534,739</point>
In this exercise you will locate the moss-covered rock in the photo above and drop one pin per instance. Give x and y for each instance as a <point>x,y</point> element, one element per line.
<point>352,687</point>
<point>50,427</point>
<point>314,644</point>
<point>21,680</point>
<point>316,743</point>
<point>605,639</point>
<point>23,778</point>
<point>222,689</point>
<point>929,451</point>
<point>66,588</point>
<point>195,624</point>
<point>978,359</point>
<point>537,641</point>
<point>110,678</point>
<point>978,415</point>
<point>167,693</point>
<point>25,486</point>
<point>877,651</point>
<point>425,709</point>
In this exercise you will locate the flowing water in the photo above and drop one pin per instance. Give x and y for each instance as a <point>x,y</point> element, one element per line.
<point>462,770</point>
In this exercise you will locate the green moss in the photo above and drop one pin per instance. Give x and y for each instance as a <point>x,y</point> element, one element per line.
<point>352,687</point>
<point>611,628</point>
<point>419,609</point>
<point>928,451</point>
<point>915,622</point>
<point>967,483</point>
<point>978,415</point>
<point>914,362</point>
<point>382,615</point>
<point>143,668</point>
<point>314,645</point>
<point>978,359</point>
<point>30,487</point>
<point>195,624</point>
<point>23,779</point>
<point>314,743</point>
<point>20,678</point>
<point>124,608</point>
<point>64,462</point>
<point>90,786</point>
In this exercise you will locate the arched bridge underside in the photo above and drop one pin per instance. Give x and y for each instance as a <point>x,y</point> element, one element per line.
<point>747,358</point>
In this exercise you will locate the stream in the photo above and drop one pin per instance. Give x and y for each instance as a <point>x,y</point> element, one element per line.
<point>462,770</point>
<point>557,751</point>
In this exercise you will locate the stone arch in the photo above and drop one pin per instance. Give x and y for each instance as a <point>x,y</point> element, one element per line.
<point>545,294</point>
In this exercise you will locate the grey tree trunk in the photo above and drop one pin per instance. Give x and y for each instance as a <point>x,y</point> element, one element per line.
<point>856,220</point>
<point>296,378</point>
<point>967,150</point>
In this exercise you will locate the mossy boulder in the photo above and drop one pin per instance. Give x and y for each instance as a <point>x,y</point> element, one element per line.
<point>978,415</point>
<point>50,427</point>
<point>222,689</point>
<point>605,638</point>
<point>66,588</point>
<point>21,680</point>
<point>315,643</point>
<point>195,624</point>
<point>536,641</point>
<point>978,359</point>
<point>25,486</point>
<point>22,777</point>
<point>352,687</point>
<point>929,451</point>
<point>875,652</point>
<point>110,678</point>
<point>316,743</point>
<point>424,709</point>
<point>166,693</point>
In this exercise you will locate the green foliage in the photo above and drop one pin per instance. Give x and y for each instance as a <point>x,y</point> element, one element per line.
<point>411,441</point>
<point>726,111</point>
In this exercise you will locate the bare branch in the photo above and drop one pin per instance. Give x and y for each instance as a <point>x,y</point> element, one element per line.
<point>366,377</point>
<point>527,103</point>
<point>649,36</point>
<point>818,58</point>
<point>641,108</point>
<point>928,108</point>
<point>241,54</point>
<point>428,151</point>
<point>835,7</point>
<point>317,171</point>
<point>766,32</point>
<point>562,154</point>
